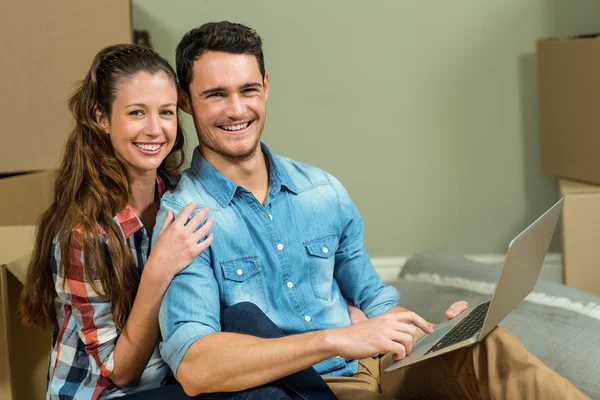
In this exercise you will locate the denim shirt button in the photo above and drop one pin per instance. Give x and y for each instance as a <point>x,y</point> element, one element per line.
<point>280,246</point>
<point>240,272</point>
<point>290,285</point>
<point>270,216</point>
<point>307,318</point>
<point>325,250</point>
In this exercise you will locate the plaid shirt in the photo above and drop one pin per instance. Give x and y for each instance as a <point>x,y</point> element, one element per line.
<point>85,335</point>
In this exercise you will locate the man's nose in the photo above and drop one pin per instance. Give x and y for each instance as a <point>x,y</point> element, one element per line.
<point>235,107</point>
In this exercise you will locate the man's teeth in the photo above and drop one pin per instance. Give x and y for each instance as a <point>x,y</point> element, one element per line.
<point>235,127</point>
<point>150,147</point>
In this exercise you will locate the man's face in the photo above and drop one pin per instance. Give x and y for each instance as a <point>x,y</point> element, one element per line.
<point>228,103</point>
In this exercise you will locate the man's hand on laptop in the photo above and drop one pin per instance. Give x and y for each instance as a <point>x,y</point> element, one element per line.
<point>391,332</point>
<point>396,331</point>
<point>453,311</point>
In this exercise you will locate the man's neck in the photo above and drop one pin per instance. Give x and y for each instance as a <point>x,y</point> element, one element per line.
<point>251,173</point>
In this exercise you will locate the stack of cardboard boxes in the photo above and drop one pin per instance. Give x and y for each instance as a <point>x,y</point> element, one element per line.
<point>46,49</point>
<point>569,94</point>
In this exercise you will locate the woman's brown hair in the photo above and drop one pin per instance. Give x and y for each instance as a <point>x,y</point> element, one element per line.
<point>91,187</point>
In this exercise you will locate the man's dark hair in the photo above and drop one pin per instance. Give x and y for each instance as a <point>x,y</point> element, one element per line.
<point>223,36</point>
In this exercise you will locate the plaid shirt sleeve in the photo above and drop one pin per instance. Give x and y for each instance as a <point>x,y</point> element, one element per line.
<point>90,310</point>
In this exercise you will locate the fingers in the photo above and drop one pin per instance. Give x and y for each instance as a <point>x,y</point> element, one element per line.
<point>185,214</point>
<point>203,230</point>
<point>405,339</point>
<point>402,337</point>
<point>195,222</point>
<point>398,350</point>
<point>407,328</point>
<point>456,309</point>
<point>167,222</point>
<point>414,318</point>
<point>205,243</point>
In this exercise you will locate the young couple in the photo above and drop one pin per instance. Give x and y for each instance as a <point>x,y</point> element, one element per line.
<point>129,275</point>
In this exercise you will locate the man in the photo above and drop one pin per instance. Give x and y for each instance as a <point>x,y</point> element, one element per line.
<point>288,238</point>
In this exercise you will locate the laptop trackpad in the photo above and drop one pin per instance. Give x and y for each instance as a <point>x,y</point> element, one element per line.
<point>438,331</point>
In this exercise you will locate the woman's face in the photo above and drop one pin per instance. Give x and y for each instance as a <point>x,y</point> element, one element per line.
<point>143,124</point>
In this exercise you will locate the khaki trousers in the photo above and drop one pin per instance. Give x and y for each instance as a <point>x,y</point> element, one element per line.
<point>497,368</point>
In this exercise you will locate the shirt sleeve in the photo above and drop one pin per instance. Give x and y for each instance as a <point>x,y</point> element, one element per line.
<point>354,272</point>
<point>91,310</point>
<point>190,308</point>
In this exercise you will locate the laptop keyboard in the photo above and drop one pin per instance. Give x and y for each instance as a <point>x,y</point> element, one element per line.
<point>465,328</point>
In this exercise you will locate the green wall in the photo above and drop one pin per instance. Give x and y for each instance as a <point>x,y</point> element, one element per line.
<point>425,110</point>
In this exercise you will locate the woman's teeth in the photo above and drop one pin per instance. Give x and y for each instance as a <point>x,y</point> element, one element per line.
<point>149,147</point>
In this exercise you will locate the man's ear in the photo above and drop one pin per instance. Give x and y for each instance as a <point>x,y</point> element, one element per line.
<point>184,101</point>
<point>102,119</point>
<point>266,85</point>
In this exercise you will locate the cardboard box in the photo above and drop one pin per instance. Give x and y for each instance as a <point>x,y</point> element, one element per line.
<point>25,197</point>
<point>47,48</point>
<point>23,350</point>
<point>569,97</point>
<point>580,235</point>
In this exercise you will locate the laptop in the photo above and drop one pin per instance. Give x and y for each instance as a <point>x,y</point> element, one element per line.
<point>520,272</point>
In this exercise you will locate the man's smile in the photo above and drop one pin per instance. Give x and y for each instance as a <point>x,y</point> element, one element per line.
<point>239,127</point>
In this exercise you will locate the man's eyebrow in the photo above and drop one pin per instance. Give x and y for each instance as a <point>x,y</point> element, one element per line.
<point>213,90</point>
<point>251,85</point>
<point>224,89</point>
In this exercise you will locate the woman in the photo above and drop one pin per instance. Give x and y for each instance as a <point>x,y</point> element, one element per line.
<point>93,242</point>
<point>85,278</point>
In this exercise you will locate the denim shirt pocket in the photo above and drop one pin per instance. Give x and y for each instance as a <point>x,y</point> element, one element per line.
<point>321,252</point>
<point>243,281</point>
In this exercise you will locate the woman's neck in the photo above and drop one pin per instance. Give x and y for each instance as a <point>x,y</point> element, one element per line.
<point>144,199</point>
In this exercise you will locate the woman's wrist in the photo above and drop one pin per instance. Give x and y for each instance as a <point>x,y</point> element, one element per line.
<point>156,272</point>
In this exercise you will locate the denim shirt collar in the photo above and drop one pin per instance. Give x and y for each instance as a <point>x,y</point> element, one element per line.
<point>223,189</point>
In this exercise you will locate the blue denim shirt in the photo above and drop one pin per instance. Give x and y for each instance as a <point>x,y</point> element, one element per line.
<point>298,258</point>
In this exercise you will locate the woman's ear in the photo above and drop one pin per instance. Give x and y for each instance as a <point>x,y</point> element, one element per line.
<point>102,120</point>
